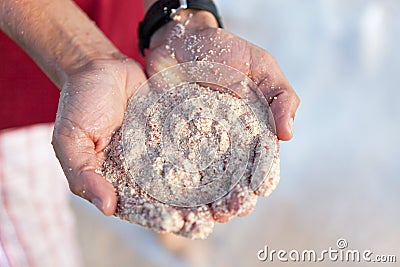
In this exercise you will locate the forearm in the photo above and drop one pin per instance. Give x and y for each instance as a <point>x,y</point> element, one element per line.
<point>56,34</point>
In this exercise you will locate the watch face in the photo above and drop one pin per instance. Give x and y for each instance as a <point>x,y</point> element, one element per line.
<point>192,132</point>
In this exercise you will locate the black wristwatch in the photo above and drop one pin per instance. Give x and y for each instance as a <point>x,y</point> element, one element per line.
<point>162,11</point>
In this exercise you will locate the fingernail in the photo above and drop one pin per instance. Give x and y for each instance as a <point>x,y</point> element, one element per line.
<point>98,203</point>
<point>291,125</point>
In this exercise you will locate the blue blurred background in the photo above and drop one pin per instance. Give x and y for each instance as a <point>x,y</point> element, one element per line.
<point>339,175</point>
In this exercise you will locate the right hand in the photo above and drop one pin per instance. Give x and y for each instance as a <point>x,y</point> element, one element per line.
<point>91,108</point>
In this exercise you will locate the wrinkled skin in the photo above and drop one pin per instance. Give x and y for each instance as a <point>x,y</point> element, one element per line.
<point>91,109</point>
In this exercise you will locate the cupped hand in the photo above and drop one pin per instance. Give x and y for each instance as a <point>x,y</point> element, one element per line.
<point>91,108</point>
<point>195,38</point>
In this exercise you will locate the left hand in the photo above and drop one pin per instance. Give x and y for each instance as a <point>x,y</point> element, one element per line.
<point>196,38</point>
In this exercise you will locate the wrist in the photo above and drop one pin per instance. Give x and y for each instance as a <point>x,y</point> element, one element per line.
<point>193,20</point>
<point>196,18</point>
<point>189,13</point>
<point>81,54</point>
<point>80,42</point>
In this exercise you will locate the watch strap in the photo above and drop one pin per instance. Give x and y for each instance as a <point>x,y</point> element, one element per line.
<point>160,13</point>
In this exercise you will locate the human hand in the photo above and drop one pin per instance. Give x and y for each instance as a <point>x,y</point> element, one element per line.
<point>195,37</point>
<point>91,108</point>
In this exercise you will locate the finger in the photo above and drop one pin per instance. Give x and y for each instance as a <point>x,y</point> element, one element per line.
<point>271,181</point>
<point>283,103</point>
<point>242,200</point>
<point>77,155</point>
<point>280,95</point>
<point>284,106</point>
<point>220,210</point>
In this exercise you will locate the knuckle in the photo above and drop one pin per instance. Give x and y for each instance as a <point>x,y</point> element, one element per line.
<point>296,99</point>
<point>76,188</point>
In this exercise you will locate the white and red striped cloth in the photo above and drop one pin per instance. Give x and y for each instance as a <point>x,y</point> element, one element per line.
<point>36,223</point>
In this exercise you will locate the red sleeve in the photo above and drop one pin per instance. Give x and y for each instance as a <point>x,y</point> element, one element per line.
<point>27,96</point>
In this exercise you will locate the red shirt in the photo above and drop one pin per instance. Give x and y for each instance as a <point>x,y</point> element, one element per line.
<point>27,96</point>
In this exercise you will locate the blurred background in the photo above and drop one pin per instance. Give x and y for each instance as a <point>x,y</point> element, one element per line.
<point>339,175</point>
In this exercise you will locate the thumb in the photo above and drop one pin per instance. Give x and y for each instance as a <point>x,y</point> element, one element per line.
<point>159,59</point>
<point>283,103</point>
<point>77,155</point>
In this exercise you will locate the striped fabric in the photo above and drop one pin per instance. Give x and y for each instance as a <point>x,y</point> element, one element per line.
<point>36,223</point>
